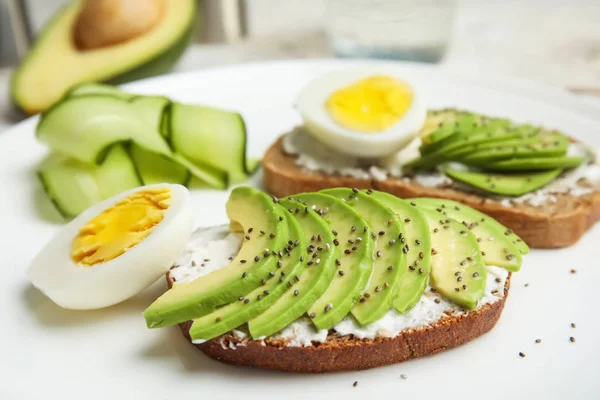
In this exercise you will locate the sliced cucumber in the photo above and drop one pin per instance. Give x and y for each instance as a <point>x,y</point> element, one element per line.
<point>98,89</point>
<point>69,183</point>
<point>150,108</point>
<point>84,127</point>
<point>209,137</point>
<point>156,111</point>
<point>117,173</point>
<point>154,168</point>
<point>205,177</point>
<point>74,186</point>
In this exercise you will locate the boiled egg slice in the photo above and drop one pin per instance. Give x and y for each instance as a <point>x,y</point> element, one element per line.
<point>368,111</point>
<point>115,249</point>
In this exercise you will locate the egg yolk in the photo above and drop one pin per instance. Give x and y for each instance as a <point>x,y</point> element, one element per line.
<point>370,105</point>
<point>120,227</point>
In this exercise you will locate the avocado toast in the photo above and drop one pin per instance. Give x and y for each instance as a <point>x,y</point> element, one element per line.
<point>342,279</point>
<point>541,184</point>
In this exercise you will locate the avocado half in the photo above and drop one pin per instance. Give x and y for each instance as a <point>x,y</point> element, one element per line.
<point>55,64</point>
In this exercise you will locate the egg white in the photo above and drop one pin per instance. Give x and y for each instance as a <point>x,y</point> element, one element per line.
<point>311,107</point>
<point>72,286</point>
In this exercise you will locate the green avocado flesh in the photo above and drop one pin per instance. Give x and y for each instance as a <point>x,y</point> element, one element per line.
<point>457,268</point>
<point>355,262</point>
<point>389,260</point>
<point>254,214</point>
<point>279,280</point>
<point>492,149</point>
<point>550,145</point>
<point>467,143</point>
<point>418,251</point>
<point>542,163</point>
<point>314,280</point>
<point>330,257</point>
<point>55,64</point>
<point>497,248</point>
<point>515,184</point>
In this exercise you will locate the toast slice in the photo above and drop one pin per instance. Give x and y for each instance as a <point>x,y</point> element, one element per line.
<point>345,353</point>
<point>552,225</point>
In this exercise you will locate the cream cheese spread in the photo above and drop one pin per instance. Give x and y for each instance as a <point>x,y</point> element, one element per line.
<point>213,248</point>
<point>315,156</point>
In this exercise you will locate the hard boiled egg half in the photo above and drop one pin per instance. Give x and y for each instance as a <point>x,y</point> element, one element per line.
<point>369,111</point>
<point>116,248</point>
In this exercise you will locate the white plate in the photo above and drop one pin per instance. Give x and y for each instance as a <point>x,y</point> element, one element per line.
<point>46,351</point>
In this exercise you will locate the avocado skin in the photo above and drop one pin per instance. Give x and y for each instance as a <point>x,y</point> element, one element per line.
<point>160,64</point>
<point>157,65</point>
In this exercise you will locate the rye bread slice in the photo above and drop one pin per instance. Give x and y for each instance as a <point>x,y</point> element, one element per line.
<point>553,225</point>
<point>347,353</point>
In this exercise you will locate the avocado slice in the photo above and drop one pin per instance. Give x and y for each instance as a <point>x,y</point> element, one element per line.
<point>497,249</point>
<point>281,279</point>
<point>464,124</point>
<point>257,216</point>
<point>516,184</point>
<point>496,140</point>
<point>535,163</point>
<point>549,144</point>
<point>457,269</point>
<point>462,144</point>
<point>434,138</point>
<point>435,119</point>
<point>389,265</point>
<point>55,64</point>
<point>486,134</point>
<point>354,265</point>
<point>311,283</point>
<point>418,254</point>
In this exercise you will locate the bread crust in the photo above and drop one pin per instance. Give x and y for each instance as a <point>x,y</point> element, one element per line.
<point>346,353</point>
<point>555,225</point>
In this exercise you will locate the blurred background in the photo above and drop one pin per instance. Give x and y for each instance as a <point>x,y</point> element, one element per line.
<point>548,41</point>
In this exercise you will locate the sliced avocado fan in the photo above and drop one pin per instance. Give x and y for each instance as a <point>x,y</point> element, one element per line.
<point>280,279</point>
<point>497,249</point>
<point>389,258</point>
<point>354,265</point>
<point>417,244</point>
<point>259,218</point>
<point>314,280</point>
<point>336,253</point>
<point>457,268</point>
<point>493,149</point>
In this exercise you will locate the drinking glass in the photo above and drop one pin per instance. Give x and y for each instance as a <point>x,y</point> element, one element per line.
<point>415,30</point>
